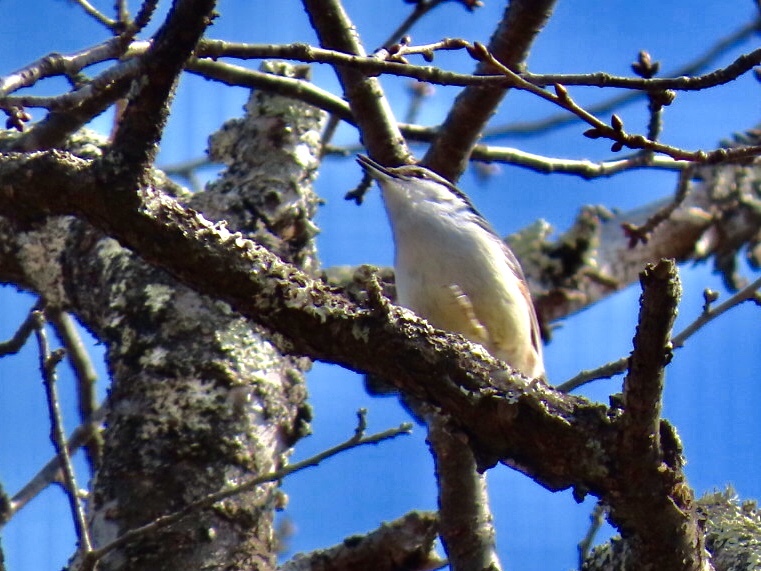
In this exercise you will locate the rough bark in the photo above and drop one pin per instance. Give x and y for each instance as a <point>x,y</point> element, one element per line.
<point>718,220</point>
<point>200,396</point>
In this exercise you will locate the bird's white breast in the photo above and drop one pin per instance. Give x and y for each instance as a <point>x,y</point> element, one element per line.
<point>454,272</point>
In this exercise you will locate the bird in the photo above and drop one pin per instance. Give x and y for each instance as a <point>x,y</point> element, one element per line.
<point>453,269</point>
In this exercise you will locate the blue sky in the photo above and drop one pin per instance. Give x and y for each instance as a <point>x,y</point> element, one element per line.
<point>712,386</point>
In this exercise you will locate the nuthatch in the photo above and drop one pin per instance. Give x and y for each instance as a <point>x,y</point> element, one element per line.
<point>453,269</point>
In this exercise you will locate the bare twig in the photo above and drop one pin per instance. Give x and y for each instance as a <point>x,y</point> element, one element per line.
<point>584,168</point>
<point>357,440</point>
<point>637,234</point>
<point>394,64</point>
<point>681,79</point>
<point>15,343</point>
<point>79,358</point>
<point>615,130</point>
<point>51,471</point>
<point>748,293</point>
<point>122,11</point>
<point>56,64</point>
<point>48,363</point>
<point>188,171</point>
<point>297,88</point>
<point>421,9</point>
<point>419,91</point>
<point>98,16</point>
<point>76,108</point>
<point>84,371</point>
<point>331,126</point>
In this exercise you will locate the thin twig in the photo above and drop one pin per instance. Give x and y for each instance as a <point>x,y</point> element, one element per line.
<point>681,79</point>
<point>393,64</point>
<point>51,471</point>
<point>615,131</point>
<point>748,293</point>
<point>96,14</point>
<point>331,126</point>
<point>421,9</point>
<point>48,363</point>
<point>55,64</point>
<point>303,52</point>
<point>584,168</point>
<point>84,370</point>
<point>15,343</point>
<point>358,439</point>
<point>637,234</point>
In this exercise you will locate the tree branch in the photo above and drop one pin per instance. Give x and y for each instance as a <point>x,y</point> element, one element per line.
<point>559,440</point>
<point>86,377</point>
<point>643,385</point>
<point>748,293</point>
<point>474,106</point>
<point>50,472</point>
<point>405,543</point>
<point>20,337</point>
<point>48,363</point>
<point>467,525</point>
<point>377,125</point>
<point>656,514</point>
<point>206,502</point>
<point>142,123</point>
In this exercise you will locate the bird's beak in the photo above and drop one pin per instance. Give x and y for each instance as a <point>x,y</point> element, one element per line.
<point>375,170</point>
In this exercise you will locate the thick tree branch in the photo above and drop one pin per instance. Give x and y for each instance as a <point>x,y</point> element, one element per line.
<point>718,218</point>
<point>657,514</point>
<point>489,404</point>
<point>643,384</point>
<point>559,440</point>
<point>259,285</point>
<point>405,543</point>
<point>142,123</point>
<point>467,525</point>
<point>474,106</point>
<point>378,128</point>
